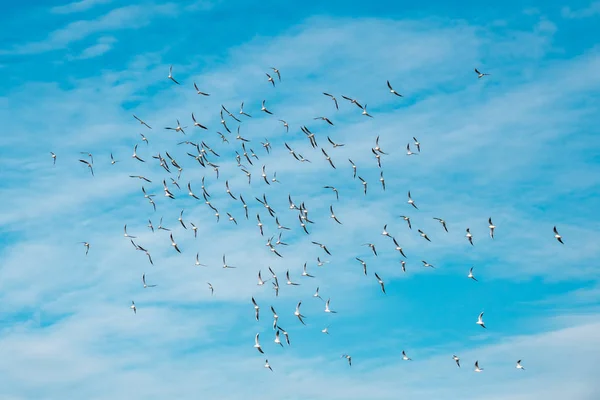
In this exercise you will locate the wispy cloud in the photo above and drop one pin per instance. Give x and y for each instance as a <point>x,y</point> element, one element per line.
<point>128,17</point>
<point>78,6</point>
<point>586,12</point>
<point>492,147</point>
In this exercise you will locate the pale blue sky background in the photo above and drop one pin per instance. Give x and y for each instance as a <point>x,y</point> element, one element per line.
<point>521,146</point>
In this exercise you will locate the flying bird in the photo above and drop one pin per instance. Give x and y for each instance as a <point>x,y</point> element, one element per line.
<point>557,235</point>
<point>491,227</point>
<point>519,366</point>
<point>380,282</point>
<point>479,74</point>
<point>265,108</point>
<point>471,276</point>
<point>442,222</point>
<point>405,357</point>
<point>392,90</point>
<point>277,72</point>
<point>298,314</point>
<point>327,309</point>
<point>174,244</point>
<point>457,360</point>
<point>133,307</point>
<point>257,344</point>
<point>480,320</point>
<point>332,98</point>
<point>171,75</point>
<point>144,282</point>
<point>469,236</point>
<point>199,91</point>
<point>411,201</point>
<point>477,369</point>
<point>142,122</point>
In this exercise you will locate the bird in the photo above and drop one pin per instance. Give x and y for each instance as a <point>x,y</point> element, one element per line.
<point>286,126</point>
<point>270,79</point>
<point>480,320</point>
<point>479,74</point>
<point>327,309</point>
<point>317,294</point>
<point>126,234</point>
<point>337,195</point>
<point>405,357</point>
<point>557,235</point>
<point>265,108</point>
<point>392,90</point>
<point>171,75</point>
<point>477,369</point>
<point>225,263</point>
<point>142,122</point>
<point>407,219</point>
<point>398,248</point>
<point>491,227</point>
<point>519,366</point>
<point>417,144</point>
<point>257,344</point>
<point>144,282</point>
<point>469,236</point>
<point>380,282</point>
<point>289,281</point>
<point>112,160</point>
<point>87,247</point>
<point>353,101</point>
<point>305,273</point>
<point>426,264</point>
<point>133,307</point>
<point>442,222</point>
<point>324,119</point>
<point>210,287</point>
<point>196,123</point>
<point>332,98</point>
<point>372,246</point>
<point>385,232</point>
<point>365,113</point>
<point>277,72</point>
<point>332,216</point>
<point>424,235</point>
<point>411,201</point>
<point>409,152</point>
<point>267,365</point>
<point>198,91</point>
<point>174,244</point>
<point>457,360</point>
<point>256,308</point>
<point>364,264</point>
<point>364,183</point>
<point>298,314</point>
<point>347,357</point>
<point>54,158</point>
<point>325,330</point>
<point>471,276</point>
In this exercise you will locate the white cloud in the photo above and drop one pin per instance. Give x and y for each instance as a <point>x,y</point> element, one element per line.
<point>590,11</point>
<point>78,6</point>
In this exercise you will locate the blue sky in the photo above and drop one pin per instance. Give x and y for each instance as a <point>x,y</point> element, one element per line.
<point>520,146</point>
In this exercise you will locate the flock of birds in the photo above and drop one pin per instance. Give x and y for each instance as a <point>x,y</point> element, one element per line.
<point>204,154</point>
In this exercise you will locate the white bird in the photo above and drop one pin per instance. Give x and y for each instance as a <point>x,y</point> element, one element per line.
<point>457,360</point>
<point>298,314</point>
<point>519,366</point>
<point>198,261</point>
<point>171,75</point>
<point>210,287</point>
<point>477,369</point>
<point>53,158</point>
<point>347,357</point>
<point>417,144</point>
<point>492,227</point>
<point>479,74</point>
<point>327,310</point>
<point>380,282</point>
<point>469,236</point>
<point>305,273</point>
<point>392,90</point>
<point>144,282</point>
<point>127,235</point>
<point>317,294</point>
<point>289,281</point>
<point>265,108</point>
<point>471,276</point>
<point>411,201</point>
<point>256,309</point>
<point>480,320</point>
<point>267,365</point>
<point>133,307</point>
<point>557,235</point>
<point>405,357</point>
<point>257,345</point>
<point>409,152</point>
<point>174,244</point>
<point>260,280</point>
<point>325,330</point>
